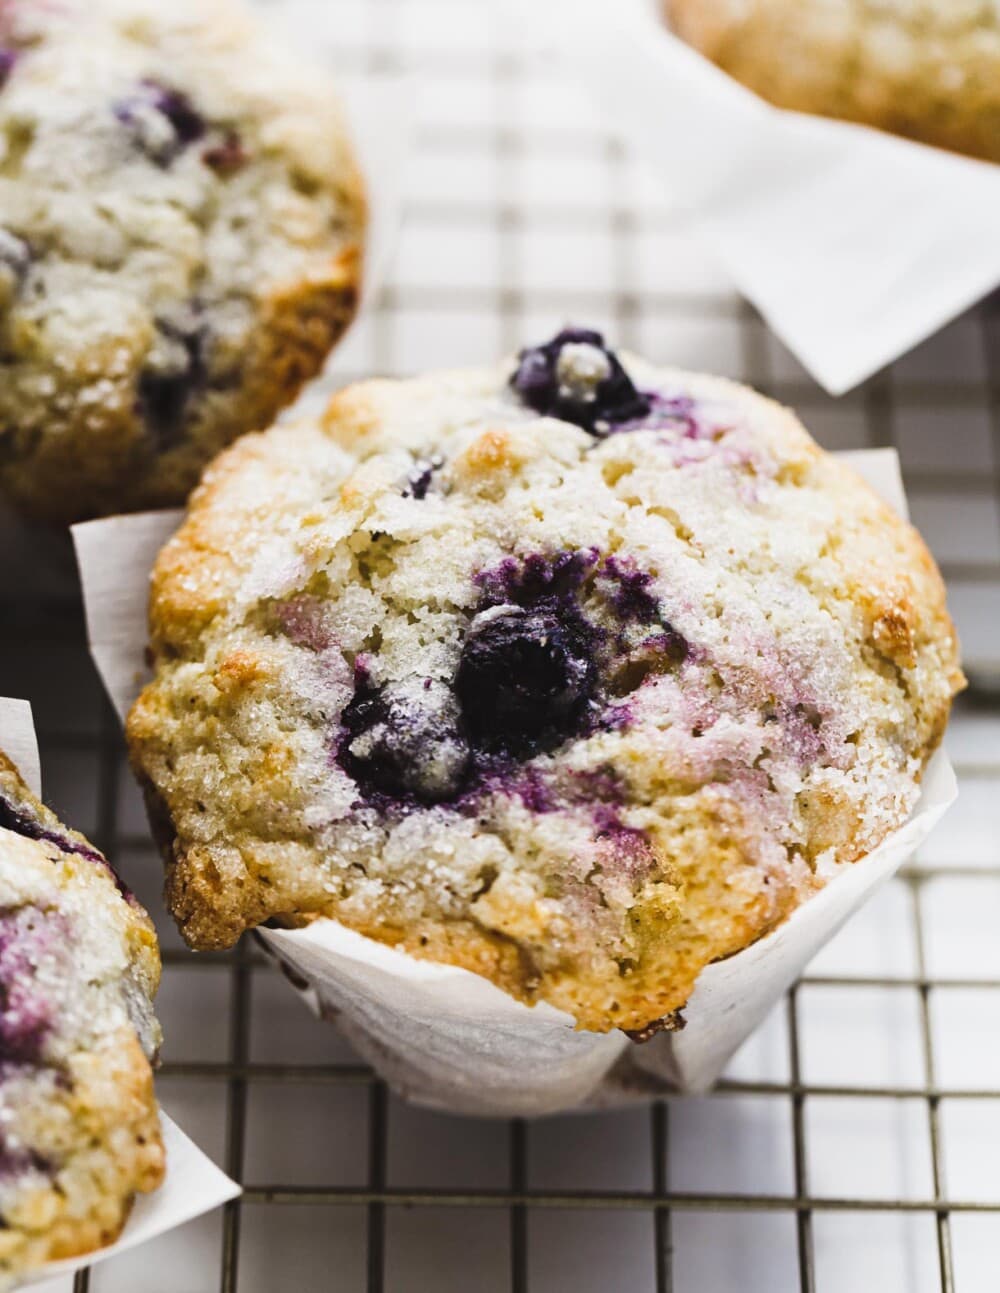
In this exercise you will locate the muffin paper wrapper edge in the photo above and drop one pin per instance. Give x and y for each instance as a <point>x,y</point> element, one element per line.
<point>853,243</point>
<point>445,1037</point>
<point>192,1184</point>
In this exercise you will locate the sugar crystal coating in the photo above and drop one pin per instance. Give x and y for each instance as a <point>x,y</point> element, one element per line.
<point>79,1128</point>
<point>602,704</point>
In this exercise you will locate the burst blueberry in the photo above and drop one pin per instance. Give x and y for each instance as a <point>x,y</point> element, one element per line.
<point>404,740</point>
<point>576,378</point>
<point>163,121</point>
<point>419,480</point>
<point>526,677</point>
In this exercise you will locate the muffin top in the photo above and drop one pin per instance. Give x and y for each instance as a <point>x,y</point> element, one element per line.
<point>79,966</point>
<point>574,672</point>
<point>180,228</point>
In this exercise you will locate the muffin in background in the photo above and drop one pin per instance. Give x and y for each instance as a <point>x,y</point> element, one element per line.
<point>575,672</point>
<point>926,69</point>
<point>181,230</point>
<point>79,967</point>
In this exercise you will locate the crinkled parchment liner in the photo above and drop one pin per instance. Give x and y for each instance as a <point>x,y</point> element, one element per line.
<point>445,1037</point>
<point>193,1184</point>
<point>853,243</point>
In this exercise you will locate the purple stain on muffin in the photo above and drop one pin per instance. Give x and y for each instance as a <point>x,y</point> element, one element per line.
<point>533,790</point>
<point>534,671</point>
<point>304,621</point>
<point>575,377</point>
<point>162,121</point>
<point>8,57</point>
<point>629,590</point>
<point>677,412</point>
<point>525,580</point>
<point>801,727</point>
<point>26,942</point>
<point>625,853</point>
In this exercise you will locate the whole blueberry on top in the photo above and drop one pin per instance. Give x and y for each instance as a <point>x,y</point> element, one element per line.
<point>404,740</point>
<point>526,676</point>
<point>163,121</point>
<point>575,377</point>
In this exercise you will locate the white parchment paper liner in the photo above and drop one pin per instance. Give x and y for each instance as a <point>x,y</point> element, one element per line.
<point>446,1037</point>
<point>854,244</point>
<point>193,1184</point>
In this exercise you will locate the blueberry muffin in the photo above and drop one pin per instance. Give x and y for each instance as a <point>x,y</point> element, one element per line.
<point>928,69</point>
<point>180,229</point>
<point>79,965</point>
<point>574,672</point>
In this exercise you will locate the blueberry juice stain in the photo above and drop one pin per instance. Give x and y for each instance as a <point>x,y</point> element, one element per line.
<point>531,675</point>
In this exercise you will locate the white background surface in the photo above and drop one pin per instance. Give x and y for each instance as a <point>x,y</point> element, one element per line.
<point>523,213</point>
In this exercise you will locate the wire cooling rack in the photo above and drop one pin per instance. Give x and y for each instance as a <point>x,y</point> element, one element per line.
<point>853,1145</point>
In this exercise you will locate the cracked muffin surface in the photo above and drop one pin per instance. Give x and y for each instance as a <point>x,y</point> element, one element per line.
<point>927,69</point>
<point>181,225</point>
<point>79,967</point>
<point>575,672</point>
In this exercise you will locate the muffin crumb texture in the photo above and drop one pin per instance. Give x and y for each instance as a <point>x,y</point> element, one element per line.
<point>181,224</point>
<point>79,967</point>
<point>577,673</point>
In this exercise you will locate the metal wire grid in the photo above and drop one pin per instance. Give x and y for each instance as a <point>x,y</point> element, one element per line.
<point>41,628</point>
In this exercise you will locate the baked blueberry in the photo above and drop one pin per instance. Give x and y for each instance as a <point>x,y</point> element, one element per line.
<point>405,740</point>
<point>163,121</point>
<point>576,377</point>
<point>418,482</point>
<point>525,677</point>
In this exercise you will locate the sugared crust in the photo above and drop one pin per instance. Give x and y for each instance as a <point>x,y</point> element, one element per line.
<point>254,267</point>
<point>240,817</point>
<point>81,1130</point>
<point>928,69</point>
